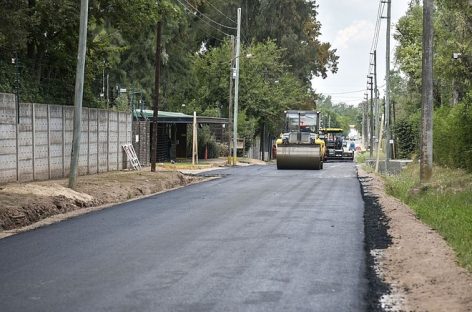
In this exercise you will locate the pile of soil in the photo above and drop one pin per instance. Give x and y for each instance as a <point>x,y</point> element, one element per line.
<point>413,267</point>
<point>24,204</point>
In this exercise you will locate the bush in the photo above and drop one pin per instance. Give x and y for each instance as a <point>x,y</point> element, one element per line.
<point>361,157</point>
<point>205,141</point>
<point>407,132</point>
<point>452,141</point>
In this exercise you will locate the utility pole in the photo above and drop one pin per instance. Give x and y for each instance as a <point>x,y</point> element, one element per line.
<point>376,92</point>
<point>157,79</point>
<point>108,90</point>
<point>16,62</point>
<point>426,161</point>
<point>194,140</point>
<point>236,90</point>
<point>387,92</point>
<point>79,92</point>
<point>230,104</point>
<point>365,122</point>
<point>371,119</point>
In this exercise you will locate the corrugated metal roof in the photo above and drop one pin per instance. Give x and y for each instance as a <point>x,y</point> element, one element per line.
<point>175,117</point>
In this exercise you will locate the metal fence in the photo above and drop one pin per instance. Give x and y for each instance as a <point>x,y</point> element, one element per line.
<point>39,146</point>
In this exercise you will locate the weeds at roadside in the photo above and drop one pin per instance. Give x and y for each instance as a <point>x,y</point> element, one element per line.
<point>361,157</point>
<point>445,204</point>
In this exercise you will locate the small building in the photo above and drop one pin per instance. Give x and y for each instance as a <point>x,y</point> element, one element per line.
<point>173,133</point>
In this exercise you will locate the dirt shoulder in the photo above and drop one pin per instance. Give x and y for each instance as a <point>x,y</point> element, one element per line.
<point>24,206</point>
<point>418,267</point>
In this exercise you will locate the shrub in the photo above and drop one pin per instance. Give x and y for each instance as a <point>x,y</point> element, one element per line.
<point>452,140</point>
<point>205,141</point>
<point>407,133</point>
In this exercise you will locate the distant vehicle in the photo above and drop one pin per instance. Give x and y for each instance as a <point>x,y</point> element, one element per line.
<point>336,145</point>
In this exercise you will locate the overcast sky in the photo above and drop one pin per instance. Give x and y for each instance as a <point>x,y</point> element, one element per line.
<point>349,26</point>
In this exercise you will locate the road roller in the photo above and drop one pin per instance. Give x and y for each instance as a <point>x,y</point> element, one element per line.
<point>299,146</point>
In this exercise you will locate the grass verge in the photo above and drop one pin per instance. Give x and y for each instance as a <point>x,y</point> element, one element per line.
<point>446,205</point>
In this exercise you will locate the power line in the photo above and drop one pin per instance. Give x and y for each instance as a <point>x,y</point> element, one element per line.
<point>375,39</point>
<point>195,14</point>
<point>346,92</point>
<point>348,97</point>
<point>208,18</point>
<point>213,6</point>
<point>203,29</point>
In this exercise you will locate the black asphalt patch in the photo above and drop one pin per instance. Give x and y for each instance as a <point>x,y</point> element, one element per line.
<point>376,238</point>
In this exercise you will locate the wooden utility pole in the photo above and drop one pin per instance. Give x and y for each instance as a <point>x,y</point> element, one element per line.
<point>365,121</point>
<point>371,119</point>
<point>157,79</point>
<point>376,92</point>
<point>426,161</point>
<point>79,92</point>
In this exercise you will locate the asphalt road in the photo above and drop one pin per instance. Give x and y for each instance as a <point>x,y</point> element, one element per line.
<point>257,239</point>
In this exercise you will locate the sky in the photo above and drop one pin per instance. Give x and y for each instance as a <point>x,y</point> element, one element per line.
<point>349,26</point>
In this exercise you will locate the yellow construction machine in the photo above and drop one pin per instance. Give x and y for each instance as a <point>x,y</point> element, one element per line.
<point>336,145</point>
<point>300,147</point>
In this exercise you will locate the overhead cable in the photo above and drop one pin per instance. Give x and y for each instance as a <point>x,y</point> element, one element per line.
<point>213,6</point>
<point>203,20</point>
<point>206,17</point>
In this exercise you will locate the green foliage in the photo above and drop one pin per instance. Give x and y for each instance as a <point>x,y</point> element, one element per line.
<point>361,157</point>
<point>293,25</point>
<point>206,141</point>
<point>282,36</point>
<point>407,133</point>
<point>452,34</point>
<point>267,87</point>
<point>122,103</point>
<point>452,143</point>
<point>246,127</point>
<point>446,206</point>
<point>46,44</point>
<point>338,115</point>
<point>452,140</point>
<point>409,36</point>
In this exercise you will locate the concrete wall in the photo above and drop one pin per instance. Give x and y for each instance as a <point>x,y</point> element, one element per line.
<point>39,147</point>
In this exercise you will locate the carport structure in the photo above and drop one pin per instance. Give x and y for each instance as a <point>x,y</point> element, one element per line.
<point>173,130</point>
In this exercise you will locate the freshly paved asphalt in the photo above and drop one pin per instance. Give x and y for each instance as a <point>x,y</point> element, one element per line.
<point>257,239</point>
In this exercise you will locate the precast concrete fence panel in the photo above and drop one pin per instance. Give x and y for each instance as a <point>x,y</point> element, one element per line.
<point>39,146</point>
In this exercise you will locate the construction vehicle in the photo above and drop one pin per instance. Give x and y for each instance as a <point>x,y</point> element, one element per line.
<point>336,145</point>
<point>299,146</point>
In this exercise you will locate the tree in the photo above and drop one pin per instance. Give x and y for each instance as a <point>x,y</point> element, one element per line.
<point>338,115</point>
